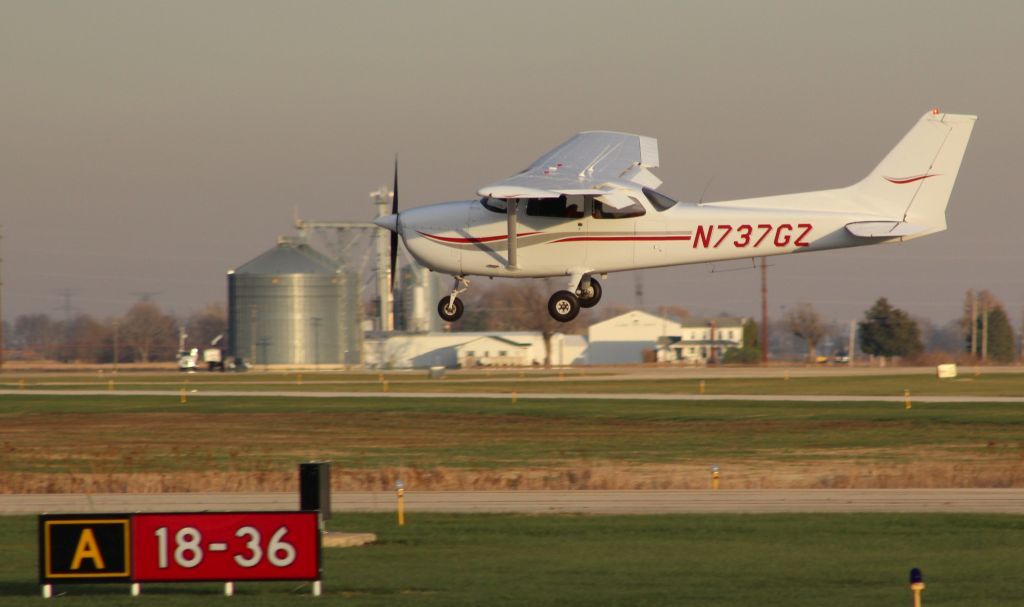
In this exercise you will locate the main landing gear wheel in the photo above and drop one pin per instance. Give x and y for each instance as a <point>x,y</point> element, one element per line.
<point>450,312</point>
<point>591,296</point>
<point>563,306</point>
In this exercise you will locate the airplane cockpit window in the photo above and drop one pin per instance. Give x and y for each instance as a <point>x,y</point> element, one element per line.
<point>553,207</point>
<point>659,200</point>
<point>604,211</point>
<point>498,205</point>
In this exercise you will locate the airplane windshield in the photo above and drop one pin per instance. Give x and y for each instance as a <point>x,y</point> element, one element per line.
<point>659,200</point>
<point>498,205</point>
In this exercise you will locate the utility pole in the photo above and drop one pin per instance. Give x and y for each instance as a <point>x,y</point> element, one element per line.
<point>764,311</point>
<point>1,301</point>
<point>713,358</point>
<point>974,324</point>
<point>67,307</point>
<point>984,331</point>
<point>853,342</point>
<point>117,354</point>
<point>638,289</point>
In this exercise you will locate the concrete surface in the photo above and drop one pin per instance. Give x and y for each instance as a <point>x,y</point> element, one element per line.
<point>195,395</point>
<point>1009,501</point>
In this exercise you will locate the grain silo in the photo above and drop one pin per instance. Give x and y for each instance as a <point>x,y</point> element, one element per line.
<point>293,305</point>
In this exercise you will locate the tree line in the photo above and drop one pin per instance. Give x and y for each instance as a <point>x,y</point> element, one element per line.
<point>985,333</point>
<point>145,333</point>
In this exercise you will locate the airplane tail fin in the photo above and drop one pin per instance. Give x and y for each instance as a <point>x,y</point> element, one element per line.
<point>914,181</point>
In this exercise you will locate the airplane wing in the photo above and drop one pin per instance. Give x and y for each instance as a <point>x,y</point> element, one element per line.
<point>592,162</point>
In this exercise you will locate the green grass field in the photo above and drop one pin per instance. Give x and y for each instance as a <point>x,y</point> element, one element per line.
<point>707,560</point>
<point>954,444</point>
<point>994,384</point>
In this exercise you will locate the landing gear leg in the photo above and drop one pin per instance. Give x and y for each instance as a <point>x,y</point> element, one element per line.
<point>450,307</point>
<point>589,292</point>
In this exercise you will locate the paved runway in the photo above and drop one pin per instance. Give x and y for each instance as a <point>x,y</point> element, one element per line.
<point>196,393</point>
<point>1006,501</point>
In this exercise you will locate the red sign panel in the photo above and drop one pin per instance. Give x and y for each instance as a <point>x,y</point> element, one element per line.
<point>225,546</point>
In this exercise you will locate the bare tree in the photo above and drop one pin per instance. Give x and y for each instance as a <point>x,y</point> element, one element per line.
<point>37,336</point>
<point>87,338</point>
<point>149,332</point>
<point>805,322</point>
<point>205,325</point>
<point>519,306</point>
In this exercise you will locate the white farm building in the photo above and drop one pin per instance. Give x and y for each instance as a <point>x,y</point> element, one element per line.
<point>472,349</point>
<point>636,335</point>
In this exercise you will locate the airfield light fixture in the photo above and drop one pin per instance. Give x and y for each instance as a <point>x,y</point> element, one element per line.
<point>400,494</point>
<point>916,585</point>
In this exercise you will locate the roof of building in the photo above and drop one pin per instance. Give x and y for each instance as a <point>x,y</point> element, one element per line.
<point>636,316</point>
<point>495,338</point>
<point>289,257</point>
<point>683,343</point>
<point>720,321</point>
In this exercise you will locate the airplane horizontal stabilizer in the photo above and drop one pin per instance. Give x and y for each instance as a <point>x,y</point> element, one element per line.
<point>884,229</point>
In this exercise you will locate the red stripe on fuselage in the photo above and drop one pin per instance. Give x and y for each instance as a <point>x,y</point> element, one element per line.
<point>472,240</point>
<point>607,238</point>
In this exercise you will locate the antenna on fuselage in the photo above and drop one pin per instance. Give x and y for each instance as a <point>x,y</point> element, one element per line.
<point>706,186</point>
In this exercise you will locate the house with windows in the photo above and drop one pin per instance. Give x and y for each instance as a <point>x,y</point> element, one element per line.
<point>702,341</point>
<point>639,336</point>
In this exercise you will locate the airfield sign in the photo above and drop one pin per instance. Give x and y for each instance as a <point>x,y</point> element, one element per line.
<point>225,546</point>
<point>88,548</point>
<point>179,547</point>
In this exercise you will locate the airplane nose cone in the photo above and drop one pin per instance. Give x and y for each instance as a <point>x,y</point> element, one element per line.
<point>388,222</point>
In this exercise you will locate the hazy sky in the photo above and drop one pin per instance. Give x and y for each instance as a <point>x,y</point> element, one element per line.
<point>148,147</point>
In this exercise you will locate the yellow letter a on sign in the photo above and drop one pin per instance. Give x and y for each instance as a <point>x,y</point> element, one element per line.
<point>87,549</point>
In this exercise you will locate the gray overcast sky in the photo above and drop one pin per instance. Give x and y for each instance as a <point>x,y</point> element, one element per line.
<point>151,146</point>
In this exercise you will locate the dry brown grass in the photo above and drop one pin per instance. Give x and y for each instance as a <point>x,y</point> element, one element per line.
<point>735,475</point>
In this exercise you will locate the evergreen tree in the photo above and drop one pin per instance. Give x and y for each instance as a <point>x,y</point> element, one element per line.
<point>889,331</point>
<point>751,335</point>
<point>1000,336</point>
<point>750,351</point>
<point>1000,343</point>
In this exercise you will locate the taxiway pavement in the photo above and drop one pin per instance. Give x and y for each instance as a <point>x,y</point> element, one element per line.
<point>848,398</point>
<point>1003,501</point>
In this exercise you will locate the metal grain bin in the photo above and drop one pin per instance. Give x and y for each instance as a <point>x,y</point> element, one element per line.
<point>293,306</point>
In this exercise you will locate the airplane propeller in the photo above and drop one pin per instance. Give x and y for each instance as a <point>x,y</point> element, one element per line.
<point>394,234</point>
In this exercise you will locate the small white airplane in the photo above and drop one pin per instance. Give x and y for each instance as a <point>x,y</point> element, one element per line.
<point>590,207</point>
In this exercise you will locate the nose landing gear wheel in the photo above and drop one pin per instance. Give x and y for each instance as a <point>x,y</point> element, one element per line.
<point>563,306</point>
<point>450,312</point>
<point>589,297</point>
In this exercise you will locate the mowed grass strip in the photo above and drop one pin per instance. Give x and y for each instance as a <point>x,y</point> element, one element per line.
<point>125,434</point>
<point>709,560</point>
<point>994,384</point>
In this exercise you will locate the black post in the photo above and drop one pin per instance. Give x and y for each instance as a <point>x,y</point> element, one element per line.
<point>315,487</point>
